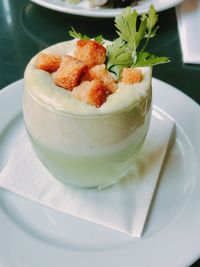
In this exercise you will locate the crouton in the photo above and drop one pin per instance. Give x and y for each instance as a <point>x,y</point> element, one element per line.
<point>86,75</point>
<point>99,72</point>
<point>131,76</point>
<point>69,74</point>
<point>91,92</point>
<point>48,62</point>
<point>90,52</point>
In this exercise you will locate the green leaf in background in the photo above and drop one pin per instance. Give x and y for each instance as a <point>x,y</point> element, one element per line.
<point>77,35</point>
<point>99,39</point>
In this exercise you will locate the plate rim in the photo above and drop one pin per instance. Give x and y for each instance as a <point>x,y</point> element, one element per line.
<point>110,13</point>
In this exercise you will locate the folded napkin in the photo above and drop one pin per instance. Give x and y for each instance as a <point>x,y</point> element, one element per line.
<point>123,206</point>
<point>188,18</point>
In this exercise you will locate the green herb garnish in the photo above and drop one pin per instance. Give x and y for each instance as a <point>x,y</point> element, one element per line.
<point>129,49</point>
<point>122,57</point>
<point>99,39</point>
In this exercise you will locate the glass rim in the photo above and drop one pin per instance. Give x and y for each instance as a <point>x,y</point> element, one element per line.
<point>92,115</point>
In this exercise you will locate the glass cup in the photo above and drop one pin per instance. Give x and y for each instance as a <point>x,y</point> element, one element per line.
<point>87,151</point>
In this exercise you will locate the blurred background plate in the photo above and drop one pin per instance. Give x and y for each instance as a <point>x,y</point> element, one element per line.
<point>84,9</point>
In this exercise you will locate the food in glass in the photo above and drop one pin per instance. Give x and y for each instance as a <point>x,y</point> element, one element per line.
<point>87,105</point>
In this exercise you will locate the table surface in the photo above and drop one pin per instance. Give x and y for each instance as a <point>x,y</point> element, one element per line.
<point>27,28</point>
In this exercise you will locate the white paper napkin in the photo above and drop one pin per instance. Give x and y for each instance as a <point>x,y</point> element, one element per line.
<point>188,18</point>
<point>123,206</point>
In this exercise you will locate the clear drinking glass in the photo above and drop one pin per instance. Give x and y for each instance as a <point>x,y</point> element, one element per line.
<point>87,151</point>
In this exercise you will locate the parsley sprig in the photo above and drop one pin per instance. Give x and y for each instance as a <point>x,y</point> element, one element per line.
<point>99,39</point>
<point>128,50</point>
<point>121,57</point>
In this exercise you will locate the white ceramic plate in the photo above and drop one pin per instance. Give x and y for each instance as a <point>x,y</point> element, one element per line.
<point>83,8</point>
<point>32,235</point>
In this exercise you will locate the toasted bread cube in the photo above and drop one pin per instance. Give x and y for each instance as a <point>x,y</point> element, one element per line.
<point>86,75</point>
<point>131,76</point>
<point>48,62</point>
<point>91,92</point>
<point>69,74</point>
<point>99,72</point>
<point>90,52</point>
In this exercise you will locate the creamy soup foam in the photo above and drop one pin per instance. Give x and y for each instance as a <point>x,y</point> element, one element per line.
<point>40,84</point>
